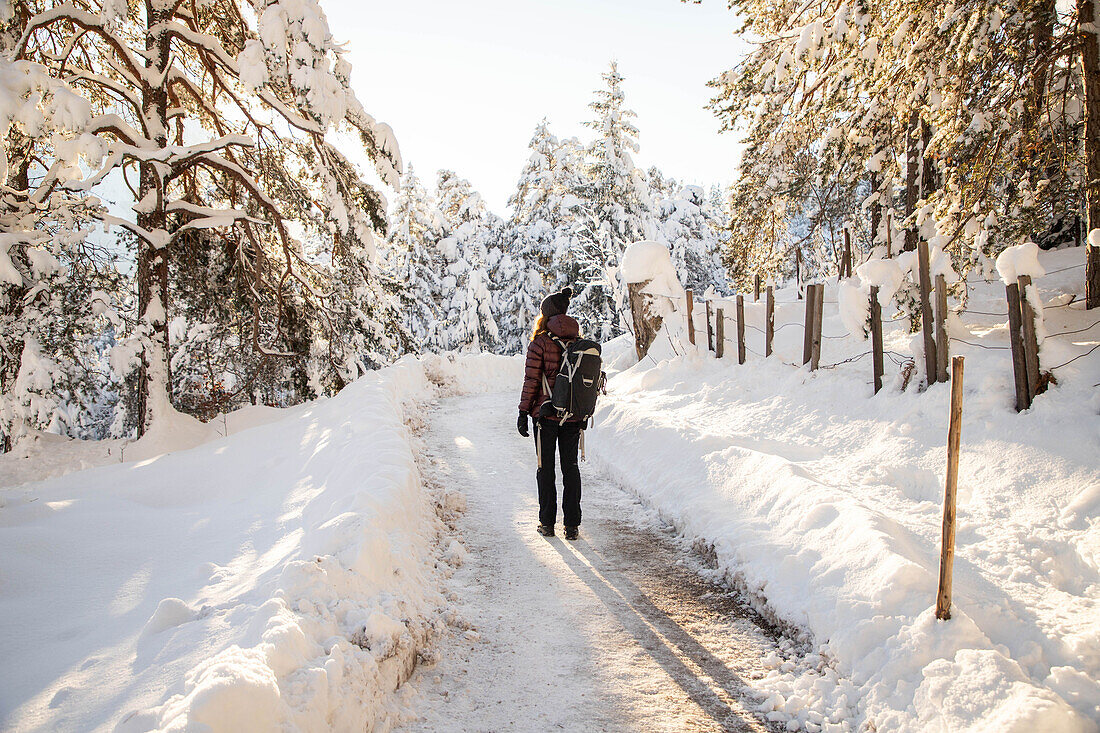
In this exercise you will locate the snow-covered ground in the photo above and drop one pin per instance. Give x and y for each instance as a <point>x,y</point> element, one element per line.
<point>616,631</point>
<point>825,502</point>
<point>282,576</point>
<point>286,569</point>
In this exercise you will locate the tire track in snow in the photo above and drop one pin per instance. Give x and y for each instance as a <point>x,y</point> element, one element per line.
<point>617,631</point>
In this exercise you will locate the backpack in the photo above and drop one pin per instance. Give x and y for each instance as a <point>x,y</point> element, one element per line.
<point>578,383</point>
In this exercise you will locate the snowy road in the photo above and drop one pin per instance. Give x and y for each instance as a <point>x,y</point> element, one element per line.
<point>617,631</point>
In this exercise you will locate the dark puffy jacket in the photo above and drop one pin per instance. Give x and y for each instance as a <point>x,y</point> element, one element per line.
<point>544,357</point>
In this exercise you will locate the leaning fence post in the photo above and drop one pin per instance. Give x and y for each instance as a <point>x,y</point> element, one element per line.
<point>769,323</point>
<point>740,329</point>
<point>808,330</point>
<point>756,288</point>
<point>876,338</point>
<point>1031,344</point>
<point>1019,365</point>
<point>691,323</point>
<point>926,313</point>
<point>710,329</point>
<point>819,300</point>
<point>941,328</point>
<point>719,334</point>
<point>954,436</point>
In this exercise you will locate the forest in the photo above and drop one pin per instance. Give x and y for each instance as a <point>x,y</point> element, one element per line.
<point>198,212</point>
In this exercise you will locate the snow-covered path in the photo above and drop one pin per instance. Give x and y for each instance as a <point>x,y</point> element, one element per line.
<point>617,631</point>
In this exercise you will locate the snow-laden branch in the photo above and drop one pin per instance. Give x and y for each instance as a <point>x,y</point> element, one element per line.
<point>201,42</point>
<point>91,22</point>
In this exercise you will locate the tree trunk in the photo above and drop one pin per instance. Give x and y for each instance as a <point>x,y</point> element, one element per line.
<point>927,165</point>
<point>1027,165</point>
<point>1043,18</point>
<point>1090,73</point>
<point>912,180</point>
<point>646,322</point>
<point>154,379</point>
<point>876,210</point>
<point>12,305</point>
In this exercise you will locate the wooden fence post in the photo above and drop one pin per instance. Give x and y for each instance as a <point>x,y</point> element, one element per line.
<point>769,323</point>
<point>740,329</point>
<point>876,338</point>
<point>926,313</point>
<point>756,288</point>
<point>1031,343</point>
<point>719,334</point>
<point>808,330</point>
<point>954,436</point>
<point>691,322</point>
<point>941,328</point>
<point>1019,364</point>
<point>798,272</point>
<point>710,330</point>
<point>846,264</point>
<point>819,299</point>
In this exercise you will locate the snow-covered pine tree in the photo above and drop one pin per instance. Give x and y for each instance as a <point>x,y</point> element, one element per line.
<point>925,115</point>
<point>571,175</point>
<point>222,111</point>
<point>469,248</point>
<point>692,236</point>
<point>660,187</point>
<point>58,289</point>
<point>532,239</point>
<point>414,260</point>
<point>616,210</point>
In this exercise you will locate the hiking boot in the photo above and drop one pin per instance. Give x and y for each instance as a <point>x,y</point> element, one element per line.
<point>546,530</point>
<point>572,533</point>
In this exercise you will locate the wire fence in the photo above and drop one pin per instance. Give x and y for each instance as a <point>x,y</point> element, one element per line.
<point>897,359</point>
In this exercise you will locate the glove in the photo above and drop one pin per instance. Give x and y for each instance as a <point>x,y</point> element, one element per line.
<point>521,424</point>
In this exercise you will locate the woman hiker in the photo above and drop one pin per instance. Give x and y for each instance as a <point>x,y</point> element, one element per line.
<point>543,360</point>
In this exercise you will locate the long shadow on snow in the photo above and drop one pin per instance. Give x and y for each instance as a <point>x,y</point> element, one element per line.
<point>725,694</point>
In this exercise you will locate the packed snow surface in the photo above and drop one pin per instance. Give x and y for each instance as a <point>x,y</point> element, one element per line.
<point>617,631</point>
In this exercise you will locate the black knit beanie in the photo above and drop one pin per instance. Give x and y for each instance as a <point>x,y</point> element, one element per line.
<point>557,303</point>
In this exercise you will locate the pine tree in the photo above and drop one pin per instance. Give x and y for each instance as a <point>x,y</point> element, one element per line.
<point>616,210</point>
<point>414,260</point>
<point>222,110</point>
<point>687,226</point>
<point>58,289</point>
<point>467,247</point>
<point>539,224</point>
<point>955,123</point>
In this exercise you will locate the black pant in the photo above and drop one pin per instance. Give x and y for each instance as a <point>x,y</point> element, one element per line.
<point>566,437</point>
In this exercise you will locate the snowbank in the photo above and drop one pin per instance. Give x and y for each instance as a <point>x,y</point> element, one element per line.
<point>39,455</point>
<point>280,578</point>
<point>824,503</point>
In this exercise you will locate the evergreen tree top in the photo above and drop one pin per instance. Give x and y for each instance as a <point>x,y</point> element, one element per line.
<point>612,119</point>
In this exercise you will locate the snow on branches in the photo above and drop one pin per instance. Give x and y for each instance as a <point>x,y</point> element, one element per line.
<point>223,116</point>
<point>951,122</point>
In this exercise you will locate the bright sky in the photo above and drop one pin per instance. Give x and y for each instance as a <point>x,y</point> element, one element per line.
<point>463,84</point>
